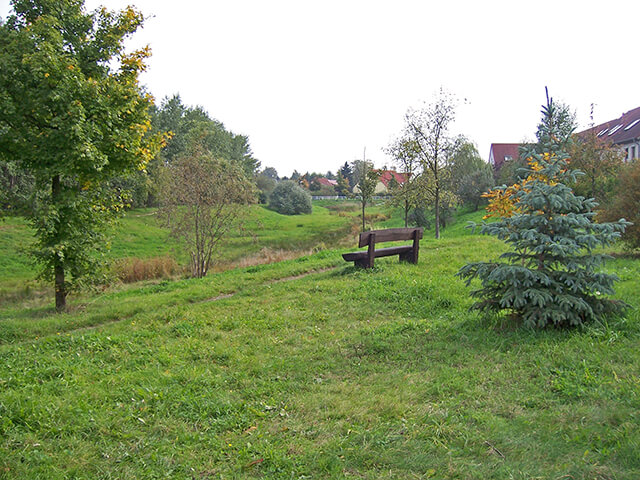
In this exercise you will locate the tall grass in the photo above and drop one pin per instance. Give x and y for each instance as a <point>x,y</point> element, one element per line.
<point>130,270</point>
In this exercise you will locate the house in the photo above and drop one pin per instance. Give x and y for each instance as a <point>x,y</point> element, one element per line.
<point>386,179</point>
<point>326,182</point>
<point>623,132</point>
<point>502,152</point>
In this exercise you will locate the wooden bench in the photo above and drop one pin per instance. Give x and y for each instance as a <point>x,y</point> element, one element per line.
<point>407,253</point>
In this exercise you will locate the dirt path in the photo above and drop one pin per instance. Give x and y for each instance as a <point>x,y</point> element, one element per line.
<point>271,282</point>
<point>212,299</point>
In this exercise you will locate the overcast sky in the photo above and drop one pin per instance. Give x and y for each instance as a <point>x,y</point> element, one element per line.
<point>312,83</point>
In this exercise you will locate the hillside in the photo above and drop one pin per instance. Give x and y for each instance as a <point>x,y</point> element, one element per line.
<point>309,368</point>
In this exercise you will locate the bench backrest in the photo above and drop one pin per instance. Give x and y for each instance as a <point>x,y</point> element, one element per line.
<point>390,235</point>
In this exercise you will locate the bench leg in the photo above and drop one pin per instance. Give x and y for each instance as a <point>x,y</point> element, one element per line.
<point>363,263</point>
<point>407,257</point>
<point>371,250</point>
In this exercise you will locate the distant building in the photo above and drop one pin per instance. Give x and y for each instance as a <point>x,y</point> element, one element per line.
<point>325,182</point>
<point>502,152</point>
<point>623,132</point>
<point>385,180</point>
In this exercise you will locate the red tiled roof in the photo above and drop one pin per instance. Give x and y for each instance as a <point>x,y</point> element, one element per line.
<point>386,175</point>
<point>503,151</point>
<point>621,130</point>
<point>326,182</point>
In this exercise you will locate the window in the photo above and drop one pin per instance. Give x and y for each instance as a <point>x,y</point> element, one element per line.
<point>602,132</point>
<point>508,158</point>
<point>632,153</point>
<point>632,124</point>
<point>615,129</point>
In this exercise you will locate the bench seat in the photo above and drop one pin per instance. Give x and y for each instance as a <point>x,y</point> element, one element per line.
<point>382,252</point>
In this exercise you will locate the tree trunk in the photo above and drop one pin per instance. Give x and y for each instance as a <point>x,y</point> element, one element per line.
<point>406,213</point>
<point>363,204</point>
<point>58,267</point>
<point>437,202</point>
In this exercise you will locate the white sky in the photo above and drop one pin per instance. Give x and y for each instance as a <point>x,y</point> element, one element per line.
<point>314,82</point>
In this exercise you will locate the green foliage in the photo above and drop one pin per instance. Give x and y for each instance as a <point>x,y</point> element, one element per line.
<point>626,203</point>
<point>73,117</point>
<point>426,136</point>
<point>343,188</point>
<point>470,175</point>
<point>347,173</point>
<point>510,171</point>
<point>265,182</point>
<point>16,188</point>
<point>407,195</point>
<point>366,179</point>
<point>599,163</point>
<point>418,218</point>
<point>189,126</point>
<point>203,199</point>
<point>290,199</point>
<point>551,275</point>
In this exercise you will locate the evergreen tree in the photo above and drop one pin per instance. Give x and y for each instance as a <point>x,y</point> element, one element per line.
<point>347,173</point>
<point>551,276</point>
<point>343,188</point>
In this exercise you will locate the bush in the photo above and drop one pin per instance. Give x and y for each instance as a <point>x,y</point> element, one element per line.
<point>418,218</point>
<point>626,204</point>
<point>290,199</point>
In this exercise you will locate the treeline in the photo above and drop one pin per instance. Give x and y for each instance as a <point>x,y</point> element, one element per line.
<point>186,130</point>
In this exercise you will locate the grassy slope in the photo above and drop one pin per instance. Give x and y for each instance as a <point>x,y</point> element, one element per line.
<point>139,235</point>
<point>339,374</point>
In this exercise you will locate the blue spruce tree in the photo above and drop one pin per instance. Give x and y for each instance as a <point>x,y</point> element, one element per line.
<point>551,275</point>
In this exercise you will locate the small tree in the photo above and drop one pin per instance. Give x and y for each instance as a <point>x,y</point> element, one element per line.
<point>405,158</point>
<point>288,198</point>
<point>599,161</point>
<point>347,173</point>
<point>203,199</point>
<point>266,181</point>
<point>428,129</point>
<point>470,175</point>
<point>551,275</point>
<point>343,188</point>
<point>72,117</point>
<point>366,179</point>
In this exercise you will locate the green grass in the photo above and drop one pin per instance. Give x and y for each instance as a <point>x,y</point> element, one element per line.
<point>139,235</point>
<point>342,373</point>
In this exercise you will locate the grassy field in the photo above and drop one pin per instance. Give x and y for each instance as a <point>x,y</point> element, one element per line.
<point>265,236</point>
<point>309,368</point>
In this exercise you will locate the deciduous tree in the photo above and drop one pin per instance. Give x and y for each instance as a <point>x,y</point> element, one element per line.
<point>405,158</point>
<point>203,199</point>
<point>626,203</point>
<point>366,179</point>
<point>599,161</point>
<point>428,129</point>
<point>470,175</point>
<point>289,198</point>
<point>73,116</point>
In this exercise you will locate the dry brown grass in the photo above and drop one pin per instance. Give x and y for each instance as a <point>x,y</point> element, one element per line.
<point>130,270</point>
